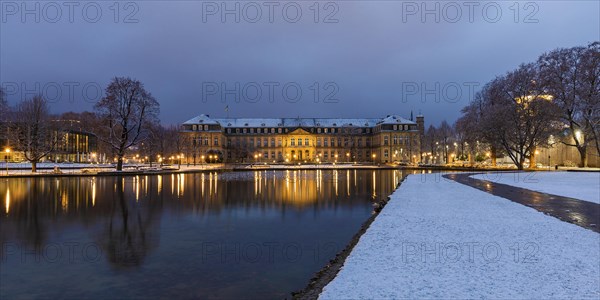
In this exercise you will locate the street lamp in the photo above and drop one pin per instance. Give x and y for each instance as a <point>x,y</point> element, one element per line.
<point>7,151</point>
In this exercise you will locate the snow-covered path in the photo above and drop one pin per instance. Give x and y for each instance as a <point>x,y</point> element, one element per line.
<point>579,185</point>
<point>437,238</point>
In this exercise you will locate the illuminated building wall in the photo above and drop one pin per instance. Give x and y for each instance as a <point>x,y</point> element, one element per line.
<point>303,139</point>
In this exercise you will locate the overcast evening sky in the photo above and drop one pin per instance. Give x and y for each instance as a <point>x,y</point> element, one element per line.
<point>370,58</point>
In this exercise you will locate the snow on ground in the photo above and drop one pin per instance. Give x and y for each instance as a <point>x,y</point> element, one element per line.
<point>579,185</point>
<point>438,238</point>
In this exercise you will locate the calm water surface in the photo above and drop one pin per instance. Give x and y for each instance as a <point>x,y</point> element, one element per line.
<point>256,234</point>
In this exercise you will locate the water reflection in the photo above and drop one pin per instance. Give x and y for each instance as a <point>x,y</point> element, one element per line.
<point>130,217</point>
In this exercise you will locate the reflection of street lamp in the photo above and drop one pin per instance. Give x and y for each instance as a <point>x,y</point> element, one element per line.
<point>7,151</point>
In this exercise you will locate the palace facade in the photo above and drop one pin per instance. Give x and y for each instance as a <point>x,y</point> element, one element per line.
<point>292,140</point>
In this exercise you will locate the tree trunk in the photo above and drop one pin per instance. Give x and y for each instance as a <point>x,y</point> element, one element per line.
<point>583,156</point>
<point>532,163</point>
<point>120,163</point>
<point>493,151</point>
<point>471,158</point>
<point>520,162</point>
<point>34,166</point>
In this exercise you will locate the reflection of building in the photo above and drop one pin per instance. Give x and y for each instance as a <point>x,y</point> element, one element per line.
<point>303,139</point>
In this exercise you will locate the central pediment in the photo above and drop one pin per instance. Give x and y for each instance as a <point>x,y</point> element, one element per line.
<point>299,130</point>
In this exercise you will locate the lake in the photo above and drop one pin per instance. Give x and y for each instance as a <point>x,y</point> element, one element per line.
<point>257,234</point>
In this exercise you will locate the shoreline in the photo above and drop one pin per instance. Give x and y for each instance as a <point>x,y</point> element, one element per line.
<point>241,168</point>
<point>328,272</point>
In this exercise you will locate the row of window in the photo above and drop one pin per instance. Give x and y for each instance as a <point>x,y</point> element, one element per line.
<point>200,127</point>
<point>353,130</point>
<point>282,130</point>
<point>325,142</point>
<point>307,155</point>
<point>203,141</point>
<point>299,142</point>
<point>397,140</point>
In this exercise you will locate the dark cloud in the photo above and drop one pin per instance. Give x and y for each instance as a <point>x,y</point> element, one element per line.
<point>364,60</point>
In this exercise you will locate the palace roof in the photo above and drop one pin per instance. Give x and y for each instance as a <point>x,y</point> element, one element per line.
<point>296,122</point>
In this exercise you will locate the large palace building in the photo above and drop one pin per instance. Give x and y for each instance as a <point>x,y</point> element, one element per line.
<point>389,139</point>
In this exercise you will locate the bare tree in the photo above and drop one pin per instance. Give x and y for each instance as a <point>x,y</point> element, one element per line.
<point>520,117</point>
<point>127,111</point>
<point>430,140</point>
<point>445,133</point>
<point>590,91</point>
<point>3,105</point>
<point>154,143</point>
<point>4,114</point>
<point>573,85</point>
<point>33,132</point>
<point>350,135</point>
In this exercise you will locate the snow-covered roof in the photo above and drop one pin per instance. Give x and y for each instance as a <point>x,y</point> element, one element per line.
<point>394,119</point>
<point>297,122</point>
<point>201,119</point>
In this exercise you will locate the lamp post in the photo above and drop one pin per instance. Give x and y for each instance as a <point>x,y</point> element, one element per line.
<point>7,151</point>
